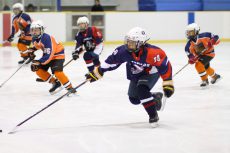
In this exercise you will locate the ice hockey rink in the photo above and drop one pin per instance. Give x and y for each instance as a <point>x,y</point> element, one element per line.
<point>100,118</point>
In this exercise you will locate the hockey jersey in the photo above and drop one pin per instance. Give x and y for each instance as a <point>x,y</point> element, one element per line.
<point>22,22</point>
<point>204,38</point>
<point>150,59</point>
<point>51,49</point>
<point>86,38</point>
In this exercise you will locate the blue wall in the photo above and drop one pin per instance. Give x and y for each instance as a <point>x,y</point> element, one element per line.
<point>183,5</point>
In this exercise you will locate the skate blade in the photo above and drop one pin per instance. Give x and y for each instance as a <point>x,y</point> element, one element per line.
<point>154,125</point>
<point>72,94</point>
<point>204,87</point>
<point>218,80</point>
<point>56,91</point>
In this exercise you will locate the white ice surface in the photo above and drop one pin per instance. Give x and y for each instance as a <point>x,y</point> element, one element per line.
<point>100,119</point>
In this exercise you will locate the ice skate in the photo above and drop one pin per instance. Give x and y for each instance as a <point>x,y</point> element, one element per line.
<point>215,79</point>
<point>22,60</point>
<point>158,97</point>
<point>56,87</point>
<point>204,83</point>
<point>71,91</point>
<point>153,121</point>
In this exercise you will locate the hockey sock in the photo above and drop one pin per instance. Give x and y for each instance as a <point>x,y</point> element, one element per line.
<point>147,100</point>
<point>45,76</point>
<point>63,79</point>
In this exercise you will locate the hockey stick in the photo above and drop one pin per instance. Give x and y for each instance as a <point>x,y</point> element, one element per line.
<point>15,72</point>
<point>40,80</point>
<point>180,70</point>
<point>164,97</point>
<point>55,101</point>
<point>188,63</point>
<point>163,103</point>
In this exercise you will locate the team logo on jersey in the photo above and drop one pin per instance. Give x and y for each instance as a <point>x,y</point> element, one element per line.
<point>138,67</point>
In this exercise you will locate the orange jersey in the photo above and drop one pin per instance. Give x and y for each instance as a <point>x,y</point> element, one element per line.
<point>205,39</point>
<point>22,22</point>
<point>51,49</point>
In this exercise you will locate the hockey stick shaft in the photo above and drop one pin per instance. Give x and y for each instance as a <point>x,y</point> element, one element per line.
<point>14,72</point>
<point>188,64</point>
<point>38,112</point>
<point>180,70</point>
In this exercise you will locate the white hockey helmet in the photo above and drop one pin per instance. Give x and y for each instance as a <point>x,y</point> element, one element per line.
<point>37,25</point>
<point>192,30</point>
<point>17,8</point>
<point>83,19</point>
<point>135,38</point>
<point>83,23</point>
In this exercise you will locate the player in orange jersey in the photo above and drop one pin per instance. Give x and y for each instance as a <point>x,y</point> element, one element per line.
<point>200,50</point>
<point>53,57</point>
<point>21,22</point>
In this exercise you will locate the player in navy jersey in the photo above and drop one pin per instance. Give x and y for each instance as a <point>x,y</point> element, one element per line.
<point>145,63</point>
<point>202,55</point>
<point>21,22</point>
<point>92,40</point>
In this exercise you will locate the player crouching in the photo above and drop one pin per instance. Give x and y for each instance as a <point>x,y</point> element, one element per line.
<point>53,57</point>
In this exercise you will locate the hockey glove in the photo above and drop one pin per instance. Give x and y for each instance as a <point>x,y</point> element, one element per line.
<point>75,54</point>
<point>94,75</point>
<point>11,38</point>
<point>199,48</point>
<point>35,65</point>
<point>193,59</point>
<point>211,43</point>
<point>168,88</point>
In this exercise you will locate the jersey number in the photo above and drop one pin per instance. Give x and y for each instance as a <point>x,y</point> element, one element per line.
<point>157,58</point>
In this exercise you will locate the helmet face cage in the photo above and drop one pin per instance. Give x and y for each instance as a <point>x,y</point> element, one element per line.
<point>82,26</point>
<point>17,8</point>
<point>83,23</point>
<point>192,31</point>
<point>132,44</point>
<point>34,30</point>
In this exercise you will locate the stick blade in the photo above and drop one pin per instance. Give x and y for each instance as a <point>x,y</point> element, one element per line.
<point>13,130</point>
<point>163,103</point>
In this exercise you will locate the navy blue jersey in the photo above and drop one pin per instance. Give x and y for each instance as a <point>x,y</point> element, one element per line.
<point>150,59</point>
<point>91,35</point>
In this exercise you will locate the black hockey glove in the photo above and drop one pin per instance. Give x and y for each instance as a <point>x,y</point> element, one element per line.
<point>36,64</point>
<point>75,54</point>
<point>11,38</point>
<point>168,88</point>
<point>94,75</point>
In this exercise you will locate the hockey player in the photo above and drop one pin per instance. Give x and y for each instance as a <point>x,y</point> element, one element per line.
<point>91,39</point>
<point>200,50</point>
<point>22,22</point>
<point>53,57</point>
<point>144,64</point>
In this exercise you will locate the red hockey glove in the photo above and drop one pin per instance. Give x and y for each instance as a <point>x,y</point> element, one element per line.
<point>193,59</point>
<point>211,43</point>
